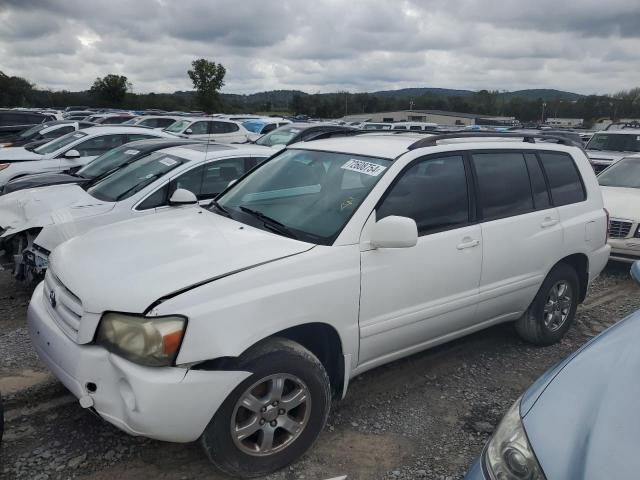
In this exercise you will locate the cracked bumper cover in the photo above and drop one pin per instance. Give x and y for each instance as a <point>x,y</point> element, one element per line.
<point>165,403</point>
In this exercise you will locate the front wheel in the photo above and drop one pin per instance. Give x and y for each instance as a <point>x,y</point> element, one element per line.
<point>550,314</point>
<point>273,416</point>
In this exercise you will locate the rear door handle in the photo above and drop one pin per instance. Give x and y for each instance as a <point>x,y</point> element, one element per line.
<point>549,222</point>
<point>468,242</point>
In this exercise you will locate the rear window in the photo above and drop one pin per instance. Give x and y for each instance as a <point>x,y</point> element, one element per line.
<point>564,179</point>
<point>503,184</point>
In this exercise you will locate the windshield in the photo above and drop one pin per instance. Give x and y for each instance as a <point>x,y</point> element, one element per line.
<point>134,177</point>
<point>178,126</point>
<point>310,194</point>
<point>617,142</point>
<point>280,136</point>
<point>253,126</point>
<point>625,173</point>
<point>131,121</point>
<point>107,162</point>
<point>58,143</point>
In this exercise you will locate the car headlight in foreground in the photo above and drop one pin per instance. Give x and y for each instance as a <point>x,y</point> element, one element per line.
<point>508,455</point>
<point>150,341</point>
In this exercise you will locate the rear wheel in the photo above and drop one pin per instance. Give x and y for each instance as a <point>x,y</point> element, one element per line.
<point>553,309</point>
<point>272,417</point>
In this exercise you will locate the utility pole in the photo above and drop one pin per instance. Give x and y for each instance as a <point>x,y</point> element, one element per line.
<point>346,98</point>
<point>544,104</point>
<point>411,104</point>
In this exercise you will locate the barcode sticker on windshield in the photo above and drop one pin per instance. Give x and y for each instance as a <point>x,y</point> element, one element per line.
<point>131,152</point>
<point>78,135</point>
<point>368,168</point>
<point>168,161</point>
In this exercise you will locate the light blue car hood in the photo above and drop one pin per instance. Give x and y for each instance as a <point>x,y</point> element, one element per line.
<point>583,416</point>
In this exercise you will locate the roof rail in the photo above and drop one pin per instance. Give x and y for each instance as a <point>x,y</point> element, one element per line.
<point>634,124</point>
<point>526,137</point>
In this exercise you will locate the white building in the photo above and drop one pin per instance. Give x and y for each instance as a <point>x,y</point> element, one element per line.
<point>432,116</point>
<point>564,122</point>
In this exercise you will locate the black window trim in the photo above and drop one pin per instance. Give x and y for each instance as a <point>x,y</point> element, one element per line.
<point>544,172</point>
<point>471,189</point>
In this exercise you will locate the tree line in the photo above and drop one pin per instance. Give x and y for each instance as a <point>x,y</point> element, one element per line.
<point>208,78</point>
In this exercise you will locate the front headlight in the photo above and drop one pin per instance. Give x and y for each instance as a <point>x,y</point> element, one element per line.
<point>508,455</point>
<point>150,341</point>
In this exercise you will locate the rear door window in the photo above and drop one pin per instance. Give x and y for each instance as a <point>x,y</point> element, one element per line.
<point>564,180</point>
<point>503,184</point>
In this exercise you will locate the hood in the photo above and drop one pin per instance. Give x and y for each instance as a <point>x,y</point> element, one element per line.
<point>129,265</point>
<point>41,180</point>
<point>584,422</point>
<point>607,155</point>
<point>38,207</point>
<point>18,153</point>
<point>622,202</point>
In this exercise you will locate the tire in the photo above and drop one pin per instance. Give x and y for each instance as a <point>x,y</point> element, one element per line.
<point>299,373</point>
<point>546,321</point>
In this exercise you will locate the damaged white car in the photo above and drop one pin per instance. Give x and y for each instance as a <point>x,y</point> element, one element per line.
<point>236,324</point>
<point>34,221</point>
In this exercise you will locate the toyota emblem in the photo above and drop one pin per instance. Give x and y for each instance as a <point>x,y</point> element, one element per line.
<point>52,298</point>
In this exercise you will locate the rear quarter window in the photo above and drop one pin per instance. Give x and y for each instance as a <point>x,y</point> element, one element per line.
<point>563,177</point>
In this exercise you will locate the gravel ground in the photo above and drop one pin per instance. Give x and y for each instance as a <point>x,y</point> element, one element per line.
<point>427,416</point>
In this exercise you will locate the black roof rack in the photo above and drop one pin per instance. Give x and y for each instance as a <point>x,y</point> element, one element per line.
<point>526,137</point>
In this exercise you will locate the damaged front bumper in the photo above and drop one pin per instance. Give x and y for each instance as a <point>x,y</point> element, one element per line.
<point>35,260</point>
<point>166,403</point>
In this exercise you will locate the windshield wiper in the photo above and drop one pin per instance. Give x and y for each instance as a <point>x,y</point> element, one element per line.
<point>271,223</point>
<point>223,211</point>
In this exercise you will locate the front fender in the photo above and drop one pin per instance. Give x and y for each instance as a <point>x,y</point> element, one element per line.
<point>229,315</point>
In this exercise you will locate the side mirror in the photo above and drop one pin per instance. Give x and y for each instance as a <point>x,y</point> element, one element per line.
<point>394,232</point>
<point>72,154</point>
<point>182,197</point>
<point>635,271</point>
<point>188,131</point>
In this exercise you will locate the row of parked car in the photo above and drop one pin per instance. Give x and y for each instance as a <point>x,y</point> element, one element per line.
<point>227,292</point>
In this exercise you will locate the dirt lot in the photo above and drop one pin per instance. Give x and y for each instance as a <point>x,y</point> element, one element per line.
<point>426,416</point>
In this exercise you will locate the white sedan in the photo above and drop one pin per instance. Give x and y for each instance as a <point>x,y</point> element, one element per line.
<point>68,152</point>
<point>34,221</point>
<point>620,185</point>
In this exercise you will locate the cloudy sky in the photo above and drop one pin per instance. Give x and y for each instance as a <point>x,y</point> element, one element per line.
<point>585,46</point>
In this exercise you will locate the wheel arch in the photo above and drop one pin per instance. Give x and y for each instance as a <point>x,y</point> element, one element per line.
<point>321,339</point>
<point>580,263</point>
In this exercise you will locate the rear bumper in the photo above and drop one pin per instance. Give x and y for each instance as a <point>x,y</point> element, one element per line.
<point>166,403</point>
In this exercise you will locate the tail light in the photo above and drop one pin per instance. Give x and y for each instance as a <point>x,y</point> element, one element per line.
<point>606,212</point>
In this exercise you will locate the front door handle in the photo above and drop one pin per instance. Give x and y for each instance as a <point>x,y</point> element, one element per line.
<point>468,242</point>
<point>549,222</point>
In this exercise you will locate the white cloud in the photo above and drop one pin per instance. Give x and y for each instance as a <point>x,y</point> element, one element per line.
<point>326,45</point>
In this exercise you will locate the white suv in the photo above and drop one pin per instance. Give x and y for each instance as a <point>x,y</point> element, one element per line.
<point>236,324</point>
<point>606,148</point>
